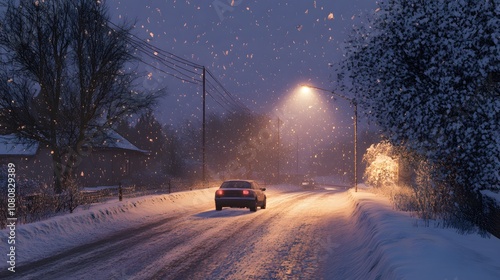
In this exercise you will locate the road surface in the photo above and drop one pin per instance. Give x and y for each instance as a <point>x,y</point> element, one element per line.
<point>303,234</point>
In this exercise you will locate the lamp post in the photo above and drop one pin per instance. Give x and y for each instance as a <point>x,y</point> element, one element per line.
<point>355,104</point>
<point>204,128</point>
<point>279,148</point>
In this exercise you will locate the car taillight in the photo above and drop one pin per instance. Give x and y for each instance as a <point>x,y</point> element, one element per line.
<point>220,192</point>
<point>246,192</point>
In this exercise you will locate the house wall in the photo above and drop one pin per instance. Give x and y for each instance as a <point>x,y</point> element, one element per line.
<point>97,168</point>
<point>36,169</point>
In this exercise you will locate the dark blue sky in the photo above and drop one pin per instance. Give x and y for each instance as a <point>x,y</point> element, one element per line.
<point>259,50</point>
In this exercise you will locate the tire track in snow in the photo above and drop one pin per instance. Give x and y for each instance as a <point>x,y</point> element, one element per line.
<point>279,246</point>
<point>209,257</point>
<point>195,244</point>
<point>293,249</point>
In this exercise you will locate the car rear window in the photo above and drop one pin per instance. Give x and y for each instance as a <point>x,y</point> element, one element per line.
<point>236,184</point>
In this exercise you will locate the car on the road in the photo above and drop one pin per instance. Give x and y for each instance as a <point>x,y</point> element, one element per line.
<point>308,182</point>
<point>240,194</point>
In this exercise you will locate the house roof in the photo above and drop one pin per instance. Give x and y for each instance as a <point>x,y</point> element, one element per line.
<point>11,145</point>
<point>115,141</point>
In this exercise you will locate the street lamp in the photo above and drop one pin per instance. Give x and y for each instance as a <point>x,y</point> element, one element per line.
<point>307,88</point>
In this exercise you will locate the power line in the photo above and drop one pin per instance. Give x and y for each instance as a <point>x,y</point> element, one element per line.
<point>232,99</point>
<point>181,66</point>
<point>223,97</point>
<point>158,50</point>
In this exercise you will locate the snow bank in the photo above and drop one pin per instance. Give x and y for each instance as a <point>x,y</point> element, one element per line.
<point>45,238</point>
<point>393,245</point>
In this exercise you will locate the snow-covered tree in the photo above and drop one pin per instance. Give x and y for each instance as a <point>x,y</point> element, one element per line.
<point>382,167</point>
<point>428,73</point>
<point>64,76</point>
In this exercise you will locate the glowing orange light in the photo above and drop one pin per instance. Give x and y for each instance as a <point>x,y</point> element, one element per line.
<point>305,90</point>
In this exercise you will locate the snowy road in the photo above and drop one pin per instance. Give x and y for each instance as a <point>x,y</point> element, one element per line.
<point>326,233</point>
<point>293,238</point>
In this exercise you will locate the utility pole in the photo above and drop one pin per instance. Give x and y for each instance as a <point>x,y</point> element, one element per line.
<point>203,148</point>
<point>355,104</point>
<point>297,156</point>
<point>279,148</point>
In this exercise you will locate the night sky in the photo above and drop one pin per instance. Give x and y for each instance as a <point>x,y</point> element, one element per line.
<point>260,51</point>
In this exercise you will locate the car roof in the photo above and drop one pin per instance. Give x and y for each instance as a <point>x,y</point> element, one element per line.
<point>236,183</point>
<point>240,180</point>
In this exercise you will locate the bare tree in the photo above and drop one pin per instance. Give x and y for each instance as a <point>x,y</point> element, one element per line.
<point>65,77</point>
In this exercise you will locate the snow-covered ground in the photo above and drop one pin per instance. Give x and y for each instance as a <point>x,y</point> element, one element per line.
<point>405,249</point>
<point>331,234</point>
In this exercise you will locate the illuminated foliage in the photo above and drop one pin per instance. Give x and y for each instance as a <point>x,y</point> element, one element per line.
<point>382,168</point>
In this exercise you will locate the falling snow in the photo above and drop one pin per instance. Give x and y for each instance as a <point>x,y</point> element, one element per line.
<point>278,44</point>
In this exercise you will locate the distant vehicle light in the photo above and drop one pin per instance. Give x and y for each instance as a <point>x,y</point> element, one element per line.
<point>220,192</point>
<point>246,192</point>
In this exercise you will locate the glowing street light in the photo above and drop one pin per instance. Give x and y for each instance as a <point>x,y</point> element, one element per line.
<point>307,89</point>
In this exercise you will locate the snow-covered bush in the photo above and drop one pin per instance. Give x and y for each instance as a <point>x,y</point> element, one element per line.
<point>382,173</point>
<point>430,196</point>
<point>381,169</point>
<point>417,193</point>
<point>428,74</point>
